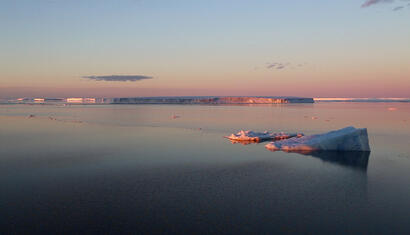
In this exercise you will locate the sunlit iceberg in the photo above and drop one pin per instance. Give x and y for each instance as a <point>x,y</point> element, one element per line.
<point>213,100</point>
<point>261,136</point>
<point>346,139</point>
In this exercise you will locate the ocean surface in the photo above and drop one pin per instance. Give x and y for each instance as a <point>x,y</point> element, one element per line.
<point>166,169</point>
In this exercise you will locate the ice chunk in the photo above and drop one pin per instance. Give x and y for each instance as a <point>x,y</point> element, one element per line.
<point>346,139</point>
<point>175,116</point>
<point>261,136</point>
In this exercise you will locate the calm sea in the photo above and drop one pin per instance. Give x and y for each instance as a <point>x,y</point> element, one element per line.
<point>166,169</point>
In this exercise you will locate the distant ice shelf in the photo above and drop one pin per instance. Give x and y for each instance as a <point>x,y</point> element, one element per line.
<point>364,100</point>
<point>212,100</point>
<point>261,136</point>
<point>195,100</point>
<point>346,139</point>
<point>165,100</point>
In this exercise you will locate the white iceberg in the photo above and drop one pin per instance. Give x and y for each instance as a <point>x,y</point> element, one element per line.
<point>346,139</point>
<point>261,136</point>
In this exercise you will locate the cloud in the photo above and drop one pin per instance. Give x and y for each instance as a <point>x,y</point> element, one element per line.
<point>118,78</point>
<point>369,3</point>
<point>280,66</point>
<point>398,8</point>
<point>271,65</point>
<point>277,66</point>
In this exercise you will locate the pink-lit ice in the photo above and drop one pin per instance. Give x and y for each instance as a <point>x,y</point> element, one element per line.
<point>346,139</point>
<point>261,136</point>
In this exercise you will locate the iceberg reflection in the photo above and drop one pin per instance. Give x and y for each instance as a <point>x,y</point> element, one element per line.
<point>245,142</point>
<point>355,159</point>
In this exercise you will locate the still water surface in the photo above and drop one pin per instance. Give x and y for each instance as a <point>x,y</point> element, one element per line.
<point>168,169</point>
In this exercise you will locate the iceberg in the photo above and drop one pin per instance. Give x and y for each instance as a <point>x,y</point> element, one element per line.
<point>207,100</point>
<point>252,136</point>
<point>215,100</point>
<point>371,100</point>
<point>346,139</point>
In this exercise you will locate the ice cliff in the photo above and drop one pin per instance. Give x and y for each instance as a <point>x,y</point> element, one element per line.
<point>212,100</point>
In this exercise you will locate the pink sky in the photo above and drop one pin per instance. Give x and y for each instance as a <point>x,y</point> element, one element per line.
<point>354,91</point>
<point>274,48</point>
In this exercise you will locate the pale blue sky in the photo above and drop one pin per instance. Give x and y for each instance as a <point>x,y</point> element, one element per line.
<point>206,44</point>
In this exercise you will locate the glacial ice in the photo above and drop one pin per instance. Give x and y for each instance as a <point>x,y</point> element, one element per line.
<point>366,100</point>
<point>346,139</point>
<point>261,136</point>
<point>212,100</point>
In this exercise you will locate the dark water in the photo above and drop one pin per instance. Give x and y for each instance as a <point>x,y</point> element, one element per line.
<point>138,169</point>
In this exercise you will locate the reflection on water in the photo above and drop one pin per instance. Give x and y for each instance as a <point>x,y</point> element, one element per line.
<point>354,159</point>
<point>246,142</point>
<point>114,172</point>
<point>258,196</point>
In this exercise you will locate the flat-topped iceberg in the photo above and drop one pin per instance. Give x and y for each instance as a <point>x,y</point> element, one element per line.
<point>372,100</point>
<point>346,139</point>
<point>210,100</point>
<point>261,136</point>
<point>213,100</point>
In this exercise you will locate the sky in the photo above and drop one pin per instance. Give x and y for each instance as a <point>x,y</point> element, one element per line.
<point>122,48</point>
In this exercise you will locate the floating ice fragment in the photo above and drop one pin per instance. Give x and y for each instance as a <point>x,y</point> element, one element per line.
<point>261,136</point>
<point>346,139</point>
<point>175,116</point>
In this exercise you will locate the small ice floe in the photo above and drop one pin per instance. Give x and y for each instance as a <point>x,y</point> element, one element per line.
<point>315,118</point>
<point>346,139</point>
<point>175,116</point>
<point>252,136</point>
<point>392,109</point>
<point>70,121</point>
